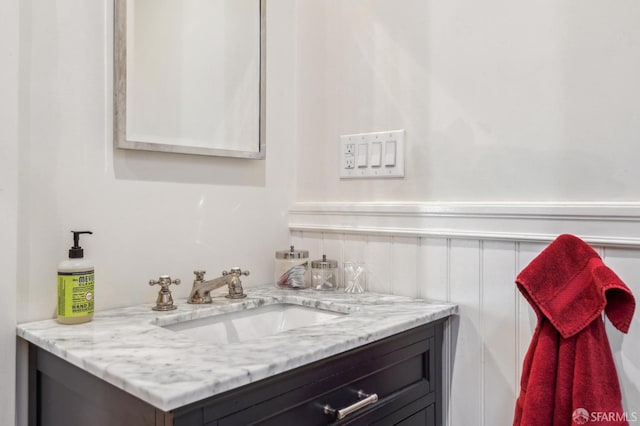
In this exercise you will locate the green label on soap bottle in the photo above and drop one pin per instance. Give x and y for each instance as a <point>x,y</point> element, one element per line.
<point>75,294</point>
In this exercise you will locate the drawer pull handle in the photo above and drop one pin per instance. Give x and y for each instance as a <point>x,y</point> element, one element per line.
<point>365,399</point>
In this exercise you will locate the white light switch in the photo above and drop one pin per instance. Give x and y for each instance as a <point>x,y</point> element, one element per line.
<point>362,154</point>
<point>390,154</point>
<point>377,155</point>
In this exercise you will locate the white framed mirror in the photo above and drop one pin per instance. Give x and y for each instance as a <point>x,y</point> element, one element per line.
<point>190,76</point>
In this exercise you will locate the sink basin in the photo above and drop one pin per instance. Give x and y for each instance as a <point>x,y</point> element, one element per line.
<point>252,323</point>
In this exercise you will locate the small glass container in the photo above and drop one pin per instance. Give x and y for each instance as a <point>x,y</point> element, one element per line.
<point>324,274</point>
<point>355,277</point>
<point>292,268</point>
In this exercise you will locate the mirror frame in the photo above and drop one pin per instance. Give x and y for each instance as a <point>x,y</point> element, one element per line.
<point>120,96</point>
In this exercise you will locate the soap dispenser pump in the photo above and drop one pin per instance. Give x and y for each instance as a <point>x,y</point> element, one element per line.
<point>75,285</point>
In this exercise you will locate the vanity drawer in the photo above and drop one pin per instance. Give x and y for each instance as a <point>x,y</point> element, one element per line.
<point>404,377</point>
<point>401,370</point>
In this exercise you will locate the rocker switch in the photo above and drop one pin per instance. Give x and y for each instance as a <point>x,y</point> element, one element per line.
<point>390,153</point>
<point>362,155</point>
<point>376,154</point>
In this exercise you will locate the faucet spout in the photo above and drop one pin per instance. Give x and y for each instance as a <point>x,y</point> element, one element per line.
<point>200,292</point>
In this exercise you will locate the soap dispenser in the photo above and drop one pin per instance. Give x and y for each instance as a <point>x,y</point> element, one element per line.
<point>75,285</point>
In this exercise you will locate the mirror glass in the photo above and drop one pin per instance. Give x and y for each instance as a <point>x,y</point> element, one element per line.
<point>190,76</point>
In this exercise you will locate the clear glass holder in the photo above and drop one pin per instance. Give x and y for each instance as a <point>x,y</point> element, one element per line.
<point>354,277</point>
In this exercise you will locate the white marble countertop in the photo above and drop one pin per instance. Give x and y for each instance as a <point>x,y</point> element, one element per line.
<point>127,348</point>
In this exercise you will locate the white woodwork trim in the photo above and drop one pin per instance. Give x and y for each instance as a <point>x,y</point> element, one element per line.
<point>602,224</point>
<point>456,261</point>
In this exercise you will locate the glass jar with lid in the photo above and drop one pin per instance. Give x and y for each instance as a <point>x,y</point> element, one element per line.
<point>324,274</point>
<point>292,268</point>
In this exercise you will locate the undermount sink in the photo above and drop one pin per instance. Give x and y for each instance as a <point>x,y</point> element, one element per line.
<point>252,323</point>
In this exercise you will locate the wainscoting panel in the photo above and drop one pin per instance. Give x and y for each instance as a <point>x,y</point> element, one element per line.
<point>626,348</point>
<point>526,317</point>
<point>466,377</point>
<point>475,266</point>
<point>404,279</point>
<point>433,269</point>
<point>498,331</point>
<point>380,263</point>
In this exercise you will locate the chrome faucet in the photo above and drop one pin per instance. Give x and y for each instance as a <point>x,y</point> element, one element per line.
<point>200,293</point>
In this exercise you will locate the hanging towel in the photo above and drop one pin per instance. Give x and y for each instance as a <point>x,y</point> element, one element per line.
<point>569,376</point>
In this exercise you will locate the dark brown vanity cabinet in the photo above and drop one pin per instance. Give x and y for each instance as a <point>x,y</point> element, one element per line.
<point>404,371</point>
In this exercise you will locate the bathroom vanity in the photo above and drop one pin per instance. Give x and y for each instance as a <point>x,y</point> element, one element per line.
<point>375,360</point>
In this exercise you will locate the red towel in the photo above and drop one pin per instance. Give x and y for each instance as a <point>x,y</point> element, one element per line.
<point>569,376</point>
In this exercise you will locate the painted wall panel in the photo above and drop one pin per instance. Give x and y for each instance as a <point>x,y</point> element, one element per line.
<point>313,242</point>
<point>404,277</point>
<point>534,107</point>
<point>525,315</point>
<point>499,326</point>
<point>433,268</point>
<point>466,404</point>
<point>379,264</point>
<point>355,247</point>
<point>626,347</point>
<point>486,343</point>
<point>332,246</point>
<point>297,240</point>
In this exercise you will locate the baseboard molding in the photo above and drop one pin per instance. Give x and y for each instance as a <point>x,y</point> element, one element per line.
<point>602,224</point>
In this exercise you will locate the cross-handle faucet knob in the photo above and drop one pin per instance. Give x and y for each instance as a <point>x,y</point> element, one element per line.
<point>164,302</point>
<point>164,281</point>
<point>235,271</point>
<point>235,285</point>
<point>200,274</point>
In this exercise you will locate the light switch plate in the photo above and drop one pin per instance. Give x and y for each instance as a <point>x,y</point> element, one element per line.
<point>350,146</point>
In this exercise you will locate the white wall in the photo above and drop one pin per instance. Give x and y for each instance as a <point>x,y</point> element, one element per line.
<point>8,200</point>
<point>151,213</point>
<point>515,101</point>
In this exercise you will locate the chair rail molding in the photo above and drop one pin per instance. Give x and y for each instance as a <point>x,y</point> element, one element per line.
<point>607,224</point>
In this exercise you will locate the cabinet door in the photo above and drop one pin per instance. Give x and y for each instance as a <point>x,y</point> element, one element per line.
<point>63,395</point>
